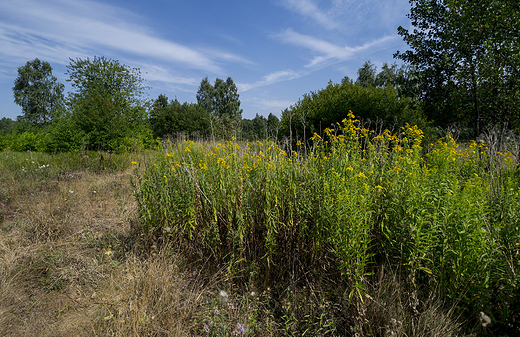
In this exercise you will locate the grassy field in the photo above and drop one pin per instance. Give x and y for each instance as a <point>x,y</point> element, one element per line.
<point>358,234</point>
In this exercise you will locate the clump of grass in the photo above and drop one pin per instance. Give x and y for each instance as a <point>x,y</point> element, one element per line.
<point>394,306</point>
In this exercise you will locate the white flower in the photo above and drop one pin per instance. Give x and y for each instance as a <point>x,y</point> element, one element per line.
<point>484,319</point>
<point>223,295</point>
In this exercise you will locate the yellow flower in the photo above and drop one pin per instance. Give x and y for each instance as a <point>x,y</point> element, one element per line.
<point>379,187</point>
<point>133,163</point>
<point>361,175</point>
<point>187,149</point>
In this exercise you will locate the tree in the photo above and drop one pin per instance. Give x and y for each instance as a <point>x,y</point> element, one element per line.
<point>38,92</point>
<point>467,55</point>
<point>222,102</point>
<point>107,104</point>
<point>273,126</point>
<point>321,109</point>
<point>7,125</point>
<point>169,118</point>
<point>367,75</point>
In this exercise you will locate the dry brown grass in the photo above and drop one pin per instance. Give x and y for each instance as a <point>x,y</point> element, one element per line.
<point>67,268</point>
<point>53,241</point>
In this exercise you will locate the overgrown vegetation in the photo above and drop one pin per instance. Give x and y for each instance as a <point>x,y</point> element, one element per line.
<point>445,217</point>
<point>367,234</point>
<point>318,224</point>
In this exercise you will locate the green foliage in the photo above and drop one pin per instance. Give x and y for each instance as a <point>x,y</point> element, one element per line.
<point>367,75</point>
<point>466,53</point>
<point>222,102</point>
<point>26,141</point>
<point>359,200</point>
<point>254,129</point>
<point>319,110</point>
<point>260,128</point>
<point>7,125</point>
<point>62,136</point>
<point>38,92</point>
<point>273,126</point>
<point>169,118</point>
<point>107,103</point>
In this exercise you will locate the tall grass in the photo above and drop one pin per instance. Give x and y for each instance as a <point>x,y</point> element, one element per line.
<point>448,216</point>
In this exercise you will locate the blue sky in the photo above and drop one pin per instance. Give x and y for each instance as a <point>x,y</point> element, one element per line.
<point>274,50</point>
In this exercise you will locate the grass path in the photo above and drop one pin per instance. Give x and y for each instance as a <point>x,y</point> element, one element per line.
<point>59,241</point>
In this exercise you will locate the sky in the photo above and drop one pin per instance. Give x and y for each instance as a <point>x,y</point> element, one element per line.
<point>274,50</point>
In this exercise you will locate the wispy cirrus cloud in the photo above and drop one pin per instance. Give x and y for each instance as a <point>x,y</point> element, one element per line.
<point>309,8</point>
<point>277,105</point>
<point>165,75</point>
<point>56,28</point>
<point>328,51</point>
<point>277,76</point>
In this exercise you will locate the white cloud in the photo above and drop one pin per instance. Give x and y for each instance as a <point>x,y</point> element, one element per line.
<point>274,104</point>
<point>330,51</point>
<point>161,74</point>
<point>58,28</point>
<point>278,76</point>
<point>308,8</point>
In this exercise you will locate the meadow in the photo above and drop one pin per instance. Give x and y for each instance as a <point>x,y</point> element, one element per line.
<point>359,232</point>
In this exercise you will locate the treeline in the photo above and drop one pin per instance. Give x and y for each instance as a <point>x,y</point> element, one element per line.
<point>461,72</point>
<point>106,110</point>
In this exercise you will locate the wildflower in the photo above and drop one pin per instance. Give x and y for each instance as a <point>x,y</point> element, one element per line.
<point>379,187</point>
<point>187,149</point>
<point>240,328</point>
<point>71,191</point>
<point>361,175</point>
<point>133,163</point>
<point>223,296</point>
<point>484,319</point>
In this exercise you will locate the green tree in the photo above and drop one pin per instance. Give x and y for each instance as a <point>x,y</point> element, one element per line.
<point>326,107</point>
<point>38,92</point>
<point>107,102</point>
<point>367,75</point>
<point>169,118</point>
<point>222,101</point>
<point>467,57</point>
<point>273,126</point>
<point>7,125</point>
